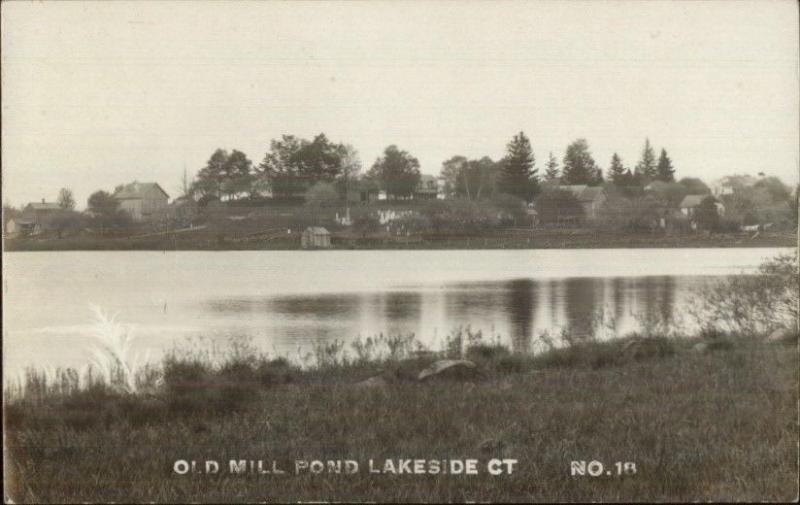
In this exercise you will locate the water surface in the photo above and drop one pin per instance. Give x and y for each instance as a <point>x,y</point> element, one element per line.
<point>285,300</point>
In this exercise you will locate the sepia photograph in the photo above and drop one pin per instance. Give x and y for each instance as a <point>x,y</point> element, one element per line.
<point>394,251</point>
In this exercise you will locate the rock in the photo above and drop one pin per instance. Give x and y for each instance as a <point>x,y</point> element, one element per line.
<point>378,381</point>
<point>450,368</point>
<point>782,335</point>
<point>700,347</point>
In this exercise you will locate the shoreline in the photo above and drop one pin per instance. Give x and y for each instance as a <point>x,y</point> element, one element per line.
<point>545,239</point>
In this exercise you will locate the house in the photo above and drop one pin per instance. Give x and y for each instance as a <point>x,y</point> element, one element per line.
<point>315,237</point>
<point>427,188</point>
<point>689,204</point>
<point>141,199</point>
<point>590,197</point>
<point>731,183</point>
<point>35,218</point>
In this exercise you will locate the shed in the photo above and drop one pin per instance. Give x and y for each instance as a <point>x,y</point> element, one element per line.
<point>315,237</point>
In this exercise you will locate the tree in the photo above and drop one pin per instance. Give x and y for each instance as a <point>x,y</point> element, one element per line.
<point>65,219</point>
<point>65,199</point>
<point>778,192</point>
<point>472,179</point>
<point>478,178</point>
<point>210,177</point>
<point>517,176</point>
<point>646,167</point>
<point>451,173</point>
<point>669,193</point>
<point>616,171</point>
<point>105,210</point>
<point>579,166</point>
<point>706,214</point>
<point>102,203</point>
<point>694,186</point>
<point>293,164</point>
<point>397,172</point>
<point>322,194</point>
<point>351,169</point>
<point>237,175</point>
<point>185,185</point>
<point>551,169</point>
<point>664,170</point>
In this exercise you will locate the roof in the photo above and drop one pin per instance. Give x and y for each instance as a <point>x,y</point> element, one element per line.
<point>690,201</point>
<point>656,186</point>
<point>137,190</point>
<point>583,192</point>
<point>43,206</point>
<point>317,230</point>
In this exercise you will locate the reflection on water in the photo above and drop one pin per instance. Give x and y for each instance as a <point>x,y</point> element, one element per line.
<point>288,299</point>
<point>515,311</point>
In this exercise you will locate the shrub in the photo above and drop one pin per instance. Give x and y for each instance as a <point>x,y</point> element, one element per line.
<point>752,304</point>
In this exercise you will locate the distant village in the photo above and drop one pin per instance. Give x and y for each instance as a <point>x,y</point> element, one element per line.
<point>313,190</point>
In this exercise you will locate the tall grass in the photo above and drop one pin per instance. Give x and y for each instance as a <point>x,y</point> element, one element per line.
<point>111,351</point>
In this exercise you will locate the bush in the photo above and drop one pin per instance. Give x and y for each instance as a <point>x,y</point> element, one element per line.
<point>752,304</point>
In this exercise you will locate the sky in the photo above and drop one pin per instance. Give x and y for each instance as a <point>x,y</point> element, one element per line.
<point>96,94</point>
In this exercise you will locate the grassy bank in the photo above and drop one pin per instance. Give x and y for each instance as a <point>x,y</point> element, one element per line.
<point>510,239</point>
<point>711,422</point>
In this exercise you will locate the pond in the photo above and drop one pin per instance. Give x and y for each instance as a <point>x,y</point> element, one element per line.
<point>286,300</point>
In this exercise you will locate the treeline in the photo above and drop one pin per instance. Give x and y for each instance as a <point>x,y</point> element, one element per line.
<point>516,173</point>
<point>293,165</point>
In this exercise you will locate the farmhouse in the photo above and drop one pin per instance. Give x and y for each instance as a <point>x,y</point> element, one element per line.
<point>141,199</point>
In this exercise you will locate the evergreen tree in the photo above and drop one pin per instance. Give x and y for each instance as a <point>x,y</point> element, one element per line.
<point>518,176</point>
<point>664,170</point>
<point>579,166</point>
<point>616,171</point>
<point>551,170</point>
<point>647,165</point>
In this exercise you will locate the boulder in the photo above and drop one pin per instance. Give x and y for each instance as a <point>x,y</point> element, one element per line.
<point>700,347</point>
<point>782,335</point>
<point>451,369</point>
<point>379,381</point>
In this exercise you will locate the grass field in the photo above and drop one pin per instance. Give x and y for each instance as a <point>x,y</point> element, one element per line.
<point>720,425</point>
